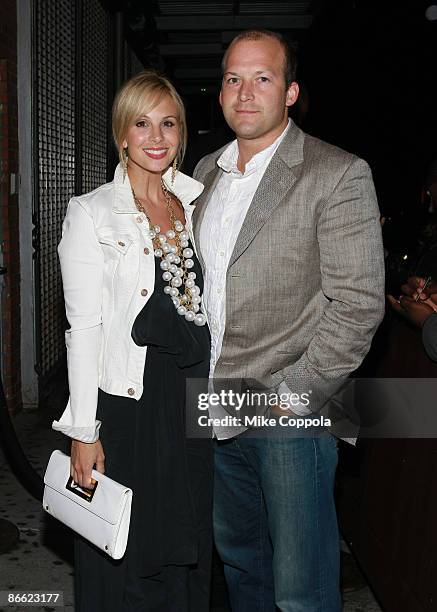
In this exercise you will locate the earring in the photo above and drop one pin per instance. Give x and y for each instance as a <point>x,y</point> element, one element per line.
<point>174,169</point>
<point>124,162</point>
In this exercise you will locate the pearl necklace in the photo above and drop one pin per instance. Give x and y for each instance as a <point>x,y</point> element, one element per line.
<point>176,262</point>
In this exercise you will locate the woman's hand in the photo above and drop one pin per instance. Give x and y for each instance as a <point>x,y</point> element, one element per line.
<point>414,289</point>
<point>416,312</point>
<point>417,303</point>
<point>83,458</point>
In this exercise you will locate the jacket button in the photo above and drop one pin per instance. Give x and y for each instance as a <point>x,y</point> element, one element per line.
<point>139,219</point>
<point>146,251</point>
<point>120,243</point>
<point>131,391</point>
<point>144,292</point>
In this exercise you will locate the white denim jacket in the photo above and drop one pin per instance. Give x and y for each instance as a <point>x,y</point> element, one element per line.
<point>108,274</point>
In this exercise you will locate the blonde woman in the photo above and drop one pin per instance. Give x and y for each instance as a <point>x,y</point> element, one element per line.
<point>133,296</point>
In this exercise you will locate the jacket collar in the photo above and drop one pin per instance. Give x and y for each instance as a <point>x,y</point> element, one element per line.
<point>227,161</point>
<point>291,148</point>
<point>185,188</point>
<point>278,179</point>
<point>290,152</point>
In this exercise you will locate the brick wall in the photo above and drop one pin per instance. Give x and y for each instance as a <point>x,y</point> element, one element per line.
<point>9,204</point>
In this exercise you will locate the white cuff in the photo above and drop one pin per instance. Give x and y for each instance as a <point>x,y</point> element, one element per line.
<point>83,434</point>
<point>285,399</point>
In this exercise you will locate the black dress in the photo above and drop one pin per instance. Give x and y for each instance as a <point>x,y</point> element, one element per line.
<point>167,562</point>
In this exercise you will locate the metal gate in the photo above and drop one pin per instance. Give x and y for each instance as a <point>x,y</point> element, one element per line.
<point>71,51</point>
<point>96,64</point>
<point>4,175</point>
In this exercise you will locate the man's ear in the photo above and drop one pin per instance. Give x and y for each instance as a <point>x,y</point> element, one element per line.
<point>292,94</point>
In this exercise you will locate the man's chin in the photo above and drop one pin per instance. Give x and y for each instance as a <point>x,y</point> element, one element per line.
<point>247,131</point>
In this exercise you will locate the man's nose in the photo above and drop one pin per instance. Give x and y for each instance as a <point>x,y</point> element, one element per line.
<point>246,91</point>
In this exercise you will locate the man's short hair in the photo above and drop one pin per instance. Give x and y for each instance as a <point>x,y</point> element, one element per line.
<point>290,55</point>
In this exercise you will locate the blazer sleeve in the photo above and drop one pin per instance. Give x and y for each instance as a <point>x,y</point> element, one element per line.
<point>82,263</point>
<point>352,277</point>
<point>429,336</point>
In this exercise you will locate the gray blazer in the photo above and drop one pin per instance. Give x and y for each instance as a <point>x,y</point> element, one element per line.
<point>305,282</point>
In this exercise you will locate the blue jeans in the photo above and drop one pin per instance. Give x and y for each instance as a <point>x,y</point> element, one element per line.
<point>275,523</point>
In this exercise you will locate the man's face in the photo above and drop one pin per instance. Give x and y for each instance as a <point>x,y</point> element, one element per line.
<point>254,97</point>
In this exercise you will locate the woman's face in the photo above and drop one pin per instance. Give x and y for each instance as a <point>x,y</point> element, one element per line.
<point>153,139</point>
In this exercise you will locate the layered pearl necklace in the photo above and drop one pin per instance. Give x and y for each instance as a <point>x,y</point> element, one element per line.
<point>176,263</point>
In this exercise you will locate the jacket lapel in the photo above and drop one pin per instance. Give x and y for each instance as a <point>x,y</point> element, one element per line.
<point>278,179</point>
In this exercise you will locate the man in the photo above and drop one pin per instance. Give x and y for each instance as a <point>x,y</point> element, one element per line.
<point>288,231</point>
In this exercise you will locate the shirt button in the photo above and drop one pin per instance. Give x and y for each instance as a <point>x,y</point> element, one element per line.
<point>146,251</point>
<point>139,219</point>
<point>144,292</point>
<point>131,391</point>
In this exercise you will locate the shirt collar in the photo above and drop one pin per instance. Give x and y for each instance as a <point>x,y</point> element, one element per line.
<point>185,188</point>
<point>228,159</point>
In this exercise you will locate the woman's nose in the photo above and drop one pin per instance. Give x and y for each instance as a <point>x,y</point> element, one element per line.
<point>156,135</point>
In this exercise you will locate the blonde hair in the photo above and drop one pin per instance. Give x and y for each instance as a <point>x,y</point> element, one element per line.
<point>137,97</point>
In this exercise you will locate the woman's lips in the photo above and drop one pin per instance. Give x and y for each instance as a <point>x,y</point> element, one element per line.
<point>155,153</point>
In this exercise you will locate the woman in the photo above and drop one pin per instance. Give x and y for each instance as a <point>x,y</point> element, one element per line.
<point>132,287</point>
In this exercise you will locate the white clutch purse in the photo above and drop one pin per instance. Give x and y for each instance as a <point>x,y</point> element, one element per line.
<point>101,515</point>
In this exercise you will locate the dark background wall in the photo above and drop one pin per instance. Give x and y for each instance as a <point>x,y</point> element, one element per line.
<point>370,72</point>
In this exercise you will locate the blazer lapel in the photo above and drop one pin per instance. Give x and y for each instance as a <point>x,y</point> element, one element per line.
<point>278,179</point>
